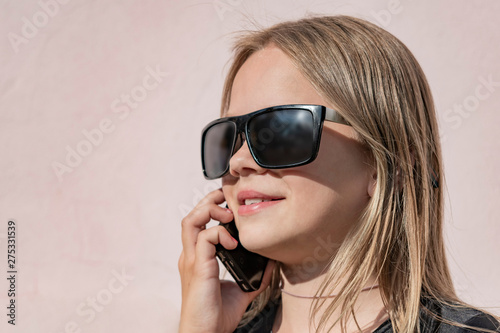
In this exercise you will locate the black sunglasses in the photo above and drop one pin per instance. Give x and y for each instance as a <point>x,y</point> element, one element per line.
<point>278,137</point>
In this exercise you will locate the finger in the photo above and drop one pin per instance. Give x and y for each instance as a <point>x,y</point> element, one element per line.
<point>207,239</point>
<point>180,263</point>
<point>196,220</point>
<point>216,196</point>
<point>184,278</point>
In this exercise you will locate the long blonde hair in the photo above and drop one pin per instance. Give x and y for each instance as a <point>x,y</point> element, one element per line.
<point>375,82</point>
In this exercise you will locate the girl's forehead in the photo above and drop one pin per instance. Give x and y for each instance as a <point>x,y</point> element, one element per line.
<point>269,78</point>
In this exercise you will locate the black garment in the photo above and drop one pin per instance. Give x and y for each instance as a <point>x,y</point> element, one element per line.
<point>263,322</point>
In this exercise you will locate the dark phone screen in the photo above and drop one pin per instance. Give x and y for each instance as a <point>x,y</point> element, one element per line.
<point>247,268</point>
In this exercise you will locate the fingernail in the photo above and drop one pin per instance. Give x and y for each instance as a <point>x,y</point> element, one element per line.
<point>234,240</point>
<point>229,210</point>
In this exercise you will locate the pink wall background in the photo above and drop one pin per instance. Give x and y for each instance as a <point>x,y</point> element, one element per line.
<point>98,239</point>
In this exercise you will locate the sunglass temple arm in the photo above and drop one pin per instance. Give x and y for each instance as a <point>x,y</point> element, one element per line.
<point>332,115</point>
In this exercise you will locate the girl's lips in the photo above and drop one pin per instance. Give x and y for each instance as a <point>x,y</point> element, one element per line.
<point>251,194</point>
<point>246,210</point>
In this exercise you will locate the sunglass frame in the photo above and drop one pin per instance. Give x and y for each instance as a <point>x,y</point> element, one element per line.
<point>319,114</point>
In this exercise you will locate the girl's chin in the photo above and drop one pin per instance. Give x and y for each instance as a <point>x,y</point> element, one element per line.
<point>252,244</point>
<point>265,246</point>
<point>258,243</point>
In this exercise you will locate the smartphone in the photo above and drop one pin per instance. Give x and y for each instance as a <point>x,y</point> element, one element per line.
<point>247,268</point>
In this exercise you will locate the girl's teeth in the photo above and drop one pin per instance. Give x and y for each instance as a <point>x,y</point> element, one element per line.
<point>254,201</point>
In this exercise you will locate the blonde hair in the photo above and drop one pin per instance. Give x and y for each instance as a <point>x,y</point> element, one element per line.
<point>374,81</point>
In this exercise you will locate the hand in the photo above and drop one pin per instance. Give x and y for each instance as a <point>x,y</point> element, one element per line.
<point>208,304</point>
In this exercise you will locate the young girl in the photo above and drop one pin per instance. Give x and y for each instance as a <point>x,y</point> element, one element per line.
<point>331,167</point>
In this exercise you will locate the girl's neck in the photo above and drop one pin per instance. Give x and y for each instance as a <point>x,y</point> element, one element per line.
<point>293,314</point>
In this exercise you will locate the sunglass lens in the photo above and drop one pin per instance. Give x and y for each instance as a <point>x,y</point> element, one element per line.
<point>282,137</point>
<point>217,149</point>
